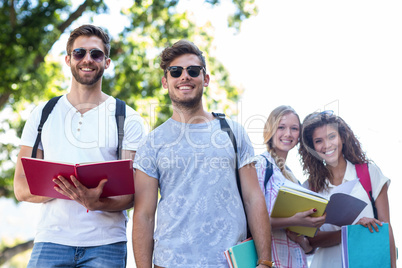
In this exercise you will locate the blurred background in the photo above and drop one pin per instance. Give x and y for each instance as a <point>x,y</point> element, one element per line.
<point>313,55</point>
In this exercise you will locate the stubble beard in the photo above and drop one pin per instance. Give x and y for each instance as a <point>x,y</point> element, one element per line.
<point>85,81</point>
<point>188,104</point>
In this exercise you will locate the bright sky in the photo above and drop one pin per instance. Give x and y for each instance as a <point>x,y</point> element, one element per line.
<point>313,55</point>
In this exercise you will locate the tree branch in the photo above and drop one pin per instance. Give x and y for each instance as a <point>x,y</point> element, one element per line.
<point>62,27</point>
<point>13,17</point>
<point>4,99</point>
<point>8,253</point>
<point>73,16</point>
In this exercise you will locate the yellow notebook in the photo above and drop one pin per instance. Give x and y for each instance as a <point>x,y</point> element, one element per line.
<point>289,201</point>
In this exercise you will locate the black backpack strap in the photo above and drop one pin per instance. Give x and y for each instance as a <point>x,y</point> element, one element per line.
<point>268,171</point>
<point>225,127</point>
<point>120,117</point>
<point>45,114</point>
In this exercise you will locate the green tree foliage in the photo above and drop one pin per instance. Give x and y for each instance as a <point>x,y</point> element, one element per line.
<point>137,74</point>
<point>30,74</point>
<point>29,30</point>
<point>155,25</point>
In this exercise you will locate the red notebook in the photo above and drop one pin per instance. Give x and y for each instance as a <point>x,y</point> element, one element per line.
<point>40,174</point>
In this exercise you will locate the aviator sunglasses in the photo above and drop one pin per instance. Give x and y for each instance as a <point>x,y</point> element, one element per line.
<point>193,71</point>
<point>96,54</point>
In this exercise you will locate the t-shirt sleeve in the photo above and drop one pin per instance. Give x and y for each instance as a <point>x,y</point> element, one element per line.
<point>145,158</point>
<point>244,145</point>
<point>30,130</point>
<point>378,180</point>
<point>134,130</point>
<point>306,184</point>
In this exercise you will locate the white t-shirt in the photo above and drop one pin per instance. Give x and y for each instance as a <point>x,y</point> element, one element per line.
<point>68,136</point>
<point>332,257</point>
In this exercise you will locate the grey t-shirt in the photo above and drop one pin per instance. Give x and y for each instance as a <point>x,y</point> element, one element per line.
<point>200,214</point>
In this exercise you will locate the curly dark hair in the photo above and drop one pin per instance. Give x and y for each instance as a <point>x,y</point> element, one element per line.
<point>313,164</point>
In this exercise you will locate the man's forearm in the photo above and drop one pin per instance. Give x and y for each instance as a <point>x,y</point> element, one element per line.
<point>325,239</point>
<point>143,242</point>
<point>256,211</point>
<point>115,203</point>
<point>260,228</point>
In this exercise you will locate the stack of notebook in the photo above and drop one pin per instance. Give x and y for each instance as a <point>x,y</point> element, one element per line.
<point>361,248</point>
<point>243,255</point>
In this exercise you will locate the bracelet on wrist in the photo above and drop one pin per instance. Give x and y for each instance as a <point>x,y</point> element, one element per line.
<point>265,263</point>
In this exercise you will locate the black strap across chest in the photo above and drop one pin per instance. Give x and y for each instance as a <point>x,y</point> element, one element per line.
<point>120,115</point>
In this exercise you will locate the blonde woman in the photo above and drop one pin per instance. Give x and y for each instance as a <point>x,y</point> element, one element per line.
<point>281,134</point>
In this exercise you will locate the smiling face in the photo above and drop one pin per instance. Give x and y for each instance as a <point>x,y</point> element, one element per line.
<point>328,144</point>
<point>287,134</point>
<point>186,91</point>
<point>87,71</point>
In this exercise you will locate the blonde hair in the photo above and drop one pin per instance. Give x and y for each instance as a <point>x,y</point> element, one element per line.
<point>270,128</point>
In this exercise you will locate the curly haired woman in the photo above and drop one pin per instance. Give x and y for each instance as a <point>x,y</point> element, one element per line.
<point>330,151</point>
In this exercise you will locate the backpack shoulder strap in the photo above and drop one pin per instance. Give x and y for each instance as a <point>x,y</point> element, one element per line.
<point>47,109</point>
<point>225,127</point>
<point>120,117</point>
<point>268,171</point>
<point>363,174</point>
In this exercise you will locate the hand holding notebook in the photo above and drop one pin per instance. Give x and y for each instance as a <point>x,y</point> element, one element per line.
<point>341,208</point>
<point>40,174</point>
<point>362,248</point>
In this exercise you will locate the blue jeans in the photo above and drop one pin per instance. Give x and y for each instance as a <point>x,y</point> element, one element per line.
<point>46,255</point>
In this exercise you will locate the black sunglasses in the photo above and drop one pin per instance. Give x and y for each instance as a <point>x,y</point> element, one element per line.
<point>193,71</point>
<point>96,54</point>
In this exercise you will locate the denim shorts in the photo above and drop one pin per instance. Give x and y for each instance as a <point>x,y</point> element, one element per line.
<point>56,255</point>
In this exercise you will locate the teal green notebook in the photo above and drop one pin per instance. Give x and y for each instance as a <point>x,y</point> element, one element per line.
<point>360,248</point>
<point>244,255</point>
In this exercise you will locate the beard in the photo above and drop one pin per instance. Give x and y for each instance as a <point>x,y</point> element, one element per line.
<point>89,81</point>
<point>186,104</point>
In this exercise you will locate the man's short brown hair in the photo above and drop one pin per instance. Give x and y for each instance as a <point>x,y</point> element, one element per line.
<point>177,49</point>
<point>89,30</point>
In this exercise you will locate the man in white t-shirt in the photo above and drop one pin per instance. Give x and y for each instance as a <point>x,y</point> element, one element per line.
<point>87,230</point>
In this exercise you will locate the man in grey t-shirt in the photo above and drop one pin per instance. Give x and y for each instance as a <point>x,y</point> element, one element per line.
<point>191,160</point>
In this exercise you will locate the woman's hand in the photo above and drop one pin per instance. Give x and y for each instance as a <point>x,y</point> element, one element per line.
<point>370,223</point>
<point>305,219</point>
<point>301,240</point>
